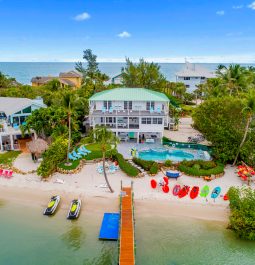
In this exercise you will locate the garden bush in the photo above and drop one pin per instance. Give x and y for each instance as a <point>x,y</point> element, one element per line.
<point>201,168</point>
<point>125,166</point>
<point>145,164</point>
<point>168,163</point>
<point>154,168</point>
<point>242,217</point>
<point>52,157</point>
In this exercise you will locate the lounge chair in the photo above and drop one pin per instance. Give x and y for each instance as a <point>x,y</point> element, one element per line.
<point>151,110</point>
<point>70,156</point>
<point>1,172</point>
<point>15,126</point>
<point>103,109</point>
<point>83,148</point>
<point>76,155</point>
<point>81,152</point>
<point>111,110</point>
<point>8,174</point>
<point>100,170</point>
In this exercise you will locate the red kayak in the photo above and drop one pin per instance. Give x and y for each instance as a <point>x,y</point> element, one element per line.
<point>194,192</point>
<point>184,191</point>
<point>176,189</point>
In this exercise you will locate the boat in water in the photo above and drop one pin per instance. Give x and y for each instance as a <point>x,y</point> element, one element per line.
<point>52,205</point>
<point>74,210</point>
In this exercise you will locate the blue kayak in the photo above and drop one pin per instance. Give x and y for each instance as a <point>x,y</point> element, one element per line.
<point>216,192</point>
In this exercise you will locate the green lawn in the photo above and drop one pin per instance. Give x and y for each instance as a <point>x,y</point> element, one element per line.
<point>8,157</point>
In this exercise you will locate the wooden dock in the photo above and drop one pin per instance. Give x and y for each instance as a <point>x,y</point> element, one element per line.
<point>127,240</point>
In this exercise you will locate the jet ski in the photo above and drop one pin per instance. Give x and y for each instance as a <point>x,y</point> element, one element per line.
<point>52,205</point>
<point>74,210</point>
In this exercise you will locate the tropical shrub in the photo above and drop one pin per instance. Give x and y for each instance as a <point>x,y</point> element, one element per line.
<point>201,168</point>
<point>154,168</point>
<point>222,122</point>
<point>125,166</point>
<point>168,163</point>
<point>242,217</point>
<point>52,157</point>
<point>8,157</point>
<point>145,164</point>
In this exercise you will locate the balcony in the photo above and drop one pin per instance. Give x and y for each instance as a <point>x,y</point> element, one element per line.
<point>126,113</point>
<point>119,125</point>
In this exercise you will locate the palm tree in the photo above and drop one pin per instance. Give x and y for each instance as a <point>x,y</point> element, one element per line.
<point>104,138</point>
<point>249,110</point>
<point>69,100</point>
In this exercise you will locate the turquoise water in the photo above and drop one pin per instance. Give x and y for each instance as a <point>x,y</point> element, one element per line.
<point>162,155</point>
<point>29,238</point>
<point>23,72</point>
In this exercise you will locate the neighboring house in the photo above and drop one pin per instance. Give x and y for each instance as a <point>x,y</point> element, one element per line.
<point>117,80</point>
<point>192,75</point>
<point>13,113</point>
<point>137,114</point>
<point>71,78</point>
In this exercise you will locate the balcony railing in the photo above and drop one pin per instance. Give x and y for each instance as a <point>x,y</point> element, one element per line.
<point>127,113</point>
<point>119,125</point>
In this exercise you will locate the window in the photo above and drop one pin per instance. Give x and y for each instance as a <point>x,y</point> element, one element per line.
<point>160,120</point>
<point>130,105</point>
<point>109,104</point>
<point>202,77</point>
<point>125,105</point>
<point>148,105</point>
<point>148,120</point>
<point>153,105</point>
<point>18,112</point>
<point>163,107</point>
<point>187,86</point>
<point>155,121</point>
<point>102,119</point>
<point>186,78</point>
<point>105,104</point>
<point>143,120</point>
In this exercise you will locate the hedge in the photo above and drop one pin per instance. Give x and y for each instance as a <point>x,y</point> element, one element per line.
<point>125,166</point>
<point>147,165</point>
<point>201,168</point>
<point>52,157</point>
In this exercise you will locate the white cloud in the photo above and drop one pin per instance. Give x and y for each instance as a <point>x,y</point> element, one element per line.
<point>238,7</point>
<point>82,16</point>
<point>220,13</point>
<point>124,34</point>
<point>252,5</point>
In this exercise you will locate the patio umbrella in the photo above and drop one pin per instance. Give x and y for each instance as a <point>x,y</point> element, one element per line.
<point>153,183</point>
<point>37,146</point>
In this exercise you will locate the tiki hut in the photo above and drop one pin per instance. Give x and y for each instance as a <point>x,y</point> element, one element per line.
<point>37,147</point>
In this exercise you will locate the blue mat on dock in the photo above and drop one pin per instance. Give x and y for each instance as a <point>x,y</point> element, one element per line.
<point>110,226</point>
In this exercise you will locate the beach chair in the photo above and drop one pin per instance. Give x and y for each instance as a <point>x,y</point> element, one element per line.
<point>76,155</point>
<point>70,156</point>
<point>1,172</point>
<point>151,110</point>
<point>81,152</point>
<point>83,148</point>
<point>100,170</point>
<point>111,110</point>
<point>103,109</point>
<point>15,126</point>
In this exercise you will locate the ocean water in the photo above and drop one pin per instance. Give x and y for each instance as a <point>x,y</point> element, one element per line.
<point>29,238</point>
<point>23,72</point>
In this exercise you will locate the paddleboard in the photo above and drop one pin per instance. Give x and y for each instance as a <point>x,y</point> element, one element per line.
<point>184,191</point>
<point>194,192</point>
<point>205,191</point>
<point>216,192</point>
<point>176,189</point>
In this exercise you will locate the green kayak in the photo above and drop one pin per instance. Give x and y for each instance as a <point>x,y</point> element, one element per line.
<point>205,191</point>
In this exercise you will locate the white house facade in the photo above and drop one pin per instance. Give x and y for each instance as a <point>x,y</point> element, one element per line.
<point>134,114</point>
<point>193,75</point>
<point>13,113</point>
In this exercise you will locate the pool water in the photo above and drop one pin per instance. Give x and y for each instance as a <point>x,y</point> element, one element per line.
<point>164,154</point>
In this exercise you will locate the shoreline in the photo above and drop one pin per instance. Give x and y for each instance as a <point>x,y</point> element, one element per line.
<point>143,207</point>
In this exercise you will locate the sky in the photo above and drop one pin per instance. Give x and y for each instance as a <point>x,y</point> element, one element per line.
<point>157,30</point>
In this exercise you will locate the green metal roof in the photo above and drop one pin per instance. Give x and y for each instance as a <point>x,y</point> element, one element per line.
<point>129,94</point>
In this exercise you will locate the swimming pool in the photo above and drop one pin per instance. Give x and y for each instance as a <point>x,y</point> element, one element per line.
<point>175,155</point>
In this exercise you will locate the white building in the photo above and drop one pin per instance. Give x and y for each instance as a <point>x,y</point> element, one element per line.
<point>13,113</point>
<point>117,80</point>
<point>136,114</point>
<point>192,75</point>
